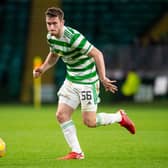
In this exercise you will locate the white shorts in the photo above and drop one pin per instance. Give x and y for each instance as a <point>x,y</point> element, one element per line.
<point>73,94</point>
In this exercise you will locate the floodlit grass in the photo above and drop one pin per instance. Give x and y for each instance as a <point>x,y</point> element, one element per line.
<point>34,139</point>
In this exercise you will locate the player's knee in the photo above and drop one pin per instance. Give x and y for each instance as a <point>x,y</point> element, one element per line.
<point>90,123</point>
<point>60,117</point>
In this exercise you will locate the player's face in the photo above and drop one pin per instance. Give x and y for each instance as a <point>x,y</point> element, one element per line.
<point>54,25</point>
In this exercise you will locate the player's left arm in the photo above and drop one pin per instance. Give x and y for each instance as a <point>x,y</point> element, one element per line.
<point>99,59</point>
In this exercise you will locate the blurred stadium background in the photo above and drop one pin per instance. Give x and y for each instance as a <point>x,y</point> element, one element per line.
<point>133,35</point>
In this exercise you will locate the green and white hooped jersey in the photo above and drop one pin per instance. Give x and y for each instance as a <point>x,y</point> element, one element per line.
<point>73,48</point>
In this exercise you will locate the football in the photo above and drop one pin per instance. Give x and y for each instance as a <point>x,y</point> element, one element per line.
<point>2,148</point>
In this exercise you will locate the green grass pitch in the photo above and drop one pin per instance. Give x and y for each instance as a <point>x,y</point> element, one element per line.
<point>34,139</point>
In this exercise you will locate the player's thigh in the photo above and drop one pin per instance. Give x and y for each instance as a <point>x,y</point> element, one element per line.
<point>67,103</point>
<point>67,95</point>
<point>89,97</point>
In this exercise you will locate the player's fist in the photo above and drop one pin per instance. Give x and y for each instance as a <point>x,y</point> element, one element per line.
<point>37,72</point>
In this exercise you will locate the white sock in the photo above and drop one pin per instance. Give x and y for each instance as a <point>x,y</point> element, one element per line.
<point>107,118</point>
<point>69,131</point>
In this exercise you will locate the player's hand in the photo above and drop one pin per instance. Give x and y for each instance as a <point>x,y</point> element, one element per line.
<point>109,85</point>
<point>37,72</point>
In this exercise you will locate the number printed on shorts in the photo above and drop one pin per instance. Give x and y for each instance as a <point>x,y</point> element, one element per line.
<point>86,95</point>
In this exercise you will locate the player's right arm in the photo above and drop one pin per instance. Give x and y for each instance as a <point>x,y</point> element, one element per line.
<point>49,62</point>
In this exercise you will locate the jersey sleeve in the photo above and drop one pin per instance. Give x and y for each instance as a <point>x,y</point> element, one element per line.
<point>79,42</point>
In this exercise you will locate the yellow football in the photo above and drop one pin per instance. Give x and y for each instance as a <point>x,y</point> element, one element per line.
<point>2,147</point>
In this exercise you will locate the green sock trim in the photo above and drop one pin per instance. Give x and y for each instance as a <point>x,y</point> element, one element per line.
<point>67,124</point>
<point>98,120</point>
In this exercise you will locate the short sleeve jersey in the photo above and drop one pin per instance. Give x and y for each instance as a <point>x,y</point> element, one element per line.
<point>73,48</point>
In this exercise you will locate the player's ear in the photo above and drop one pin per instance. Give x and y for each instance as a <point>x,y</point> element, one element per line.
<point>63,21</point>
